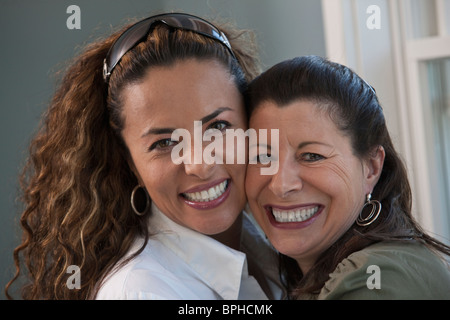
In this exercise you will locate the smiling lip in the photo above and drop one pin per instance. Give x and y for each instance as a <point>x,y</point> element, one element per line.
<point>293,217</point>
<point>207,196</point>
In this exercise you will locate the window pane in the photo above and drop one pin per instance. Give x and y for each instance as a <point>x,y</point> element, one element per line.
<point>436,87</point>
<point>447,16</point>
<point>422,19</point>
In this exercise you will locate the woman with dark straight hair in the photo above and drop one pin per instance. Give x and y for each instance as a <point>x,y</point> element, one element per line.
<point>339,207</point>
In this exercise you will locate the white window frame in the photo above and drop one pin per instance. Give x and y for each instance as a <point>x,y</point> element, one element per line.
<point>408,56</point>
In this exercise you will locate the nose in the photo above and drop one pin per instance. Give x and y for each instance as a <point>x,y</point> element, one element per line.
<point>202,171</point>
<point>197,166</point>
<point>286,181</point>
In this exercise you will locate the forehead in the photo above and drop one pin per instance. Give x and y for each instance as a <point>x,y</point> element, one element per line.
<point>184,90</point>
<point>299,120</point>
<point>306,112</point>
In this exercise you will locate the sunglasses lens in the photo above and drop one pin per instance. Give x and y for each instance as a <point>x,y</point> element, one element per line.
<point>136,33</point>
<point>193,24</point>
<point>125,42</point>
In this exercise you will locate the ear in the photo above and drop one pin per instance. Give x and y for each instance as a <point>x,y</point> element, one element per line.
<point>373,166</point>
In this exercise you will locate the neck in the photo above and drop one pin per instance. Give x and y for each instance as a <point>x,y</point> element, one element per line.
<point>305,264</point>
<point>304,267</point>
<point>232,236</point>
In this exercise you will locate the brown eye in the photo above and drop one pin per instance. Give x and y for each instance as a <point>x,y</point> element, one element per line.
<point>162,144</point>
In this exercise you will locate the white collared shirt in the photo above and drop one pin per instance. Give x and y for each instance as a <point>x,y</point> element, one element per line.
<point>179,263</point>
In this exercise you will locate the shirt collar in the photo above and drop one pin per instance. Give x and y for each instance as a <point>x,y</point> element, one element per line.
<point>207,257</point>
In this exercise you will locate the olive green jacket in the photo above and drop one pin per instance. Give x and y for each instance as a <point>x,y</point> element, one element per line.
<point>389,270</point>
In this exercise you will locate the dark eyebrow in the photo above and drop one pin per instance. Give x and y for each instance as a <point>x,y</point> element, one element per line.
<point>170,130</point>
<point>214,114</point>
<point>158,131</point>
<point>304,144</point>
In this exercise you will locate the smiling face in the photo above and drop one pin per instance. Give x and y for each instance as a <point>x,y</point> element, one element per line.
<point>320,186</point>
<point>202,197</point>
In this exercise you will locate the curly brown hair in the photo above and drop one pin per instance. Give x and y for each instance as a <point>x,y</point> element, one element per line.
<point>78,179</point>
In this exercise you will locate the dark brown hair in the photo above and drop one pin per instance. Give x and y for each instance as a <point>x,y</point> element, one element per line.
<point>354,108</point>
<point>77,181</point>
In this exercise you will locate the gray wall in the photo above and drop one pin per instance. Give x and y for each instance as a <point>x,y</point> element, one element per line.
<point>35,43</point>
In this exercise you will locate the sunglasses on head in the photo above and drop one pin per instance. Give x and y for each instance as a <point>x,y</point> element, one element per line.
<point>139,31</point>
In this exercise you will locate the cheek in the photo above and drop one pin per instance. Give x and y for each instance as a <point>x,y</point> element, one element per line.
<point>253,183</point>
<point>255,189</point>
<point>157,176</point>
<point>345,190</point>
<point>237,173</point>
<point>343,184</point>
<point>343,178</point>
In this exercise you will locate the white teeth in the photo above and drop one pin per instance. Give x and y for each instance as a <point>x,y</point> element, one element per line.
<point>295,215</point>
<point>209,194</point>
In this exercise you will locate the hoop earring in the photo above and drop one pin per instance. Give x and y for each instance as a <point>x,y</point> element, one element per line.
<point>373,215</point>
<point>139,197</point>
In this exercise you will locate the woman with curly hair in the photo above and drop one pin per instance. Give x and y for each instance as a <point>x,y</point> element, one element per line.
<point>102,193</point>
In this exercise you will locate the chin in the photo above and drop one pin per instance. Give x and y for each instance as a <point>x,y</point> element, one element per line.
<point>291,247</point>
<point>217,226</point>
